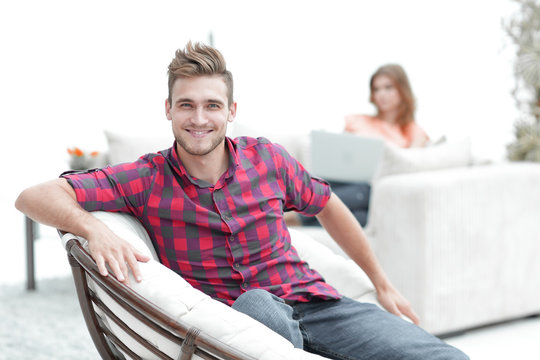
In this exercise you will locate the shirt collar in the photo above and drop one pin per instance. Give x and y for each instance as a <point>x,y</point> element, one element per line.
<point>179,168</point>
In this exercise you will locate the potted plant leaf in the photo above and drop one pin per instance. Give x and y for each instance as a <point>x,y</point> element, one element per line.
<point>523,29</point>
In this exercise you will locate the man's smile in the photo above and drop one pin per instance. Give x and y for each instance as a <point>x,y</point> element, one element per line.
<point>199,133</point>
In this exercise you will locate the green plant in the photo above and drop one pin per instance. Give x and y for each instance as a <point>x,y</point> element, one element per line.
<point>523,28</point>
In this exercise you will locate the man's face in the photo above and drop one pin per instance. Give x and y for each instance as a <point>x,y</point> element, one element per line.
<point>199,113</point>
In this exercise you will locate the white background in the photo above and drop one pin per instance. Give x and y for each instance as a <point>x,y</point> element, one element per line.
<point>69,69</point>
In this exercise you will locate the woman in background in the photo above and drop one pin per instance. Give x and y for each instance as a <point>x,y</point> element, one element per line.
<point>394,122</point>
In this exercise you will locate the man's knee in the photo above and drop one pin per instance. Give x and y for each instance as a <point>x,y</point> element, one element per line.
<point>254,300</point>
<point>271,311</point>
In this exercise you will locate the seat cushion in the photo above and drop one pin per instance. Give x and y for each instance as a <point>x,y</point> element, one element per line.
<point>183,303</point>
<point>435,157</point>
<point>342,273</point>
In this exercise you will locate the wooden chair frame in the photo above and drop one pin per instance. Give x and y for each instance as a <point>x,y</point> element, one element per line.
<point>192,340</point>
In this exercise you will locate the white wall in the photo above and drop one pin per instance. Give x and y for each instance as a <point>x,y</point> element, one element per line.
<point>319,62</point>
<point>71,68</point>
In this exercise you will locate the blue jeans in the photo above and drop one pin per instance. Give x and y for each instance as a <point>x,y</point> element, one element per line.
<point>344,329</point>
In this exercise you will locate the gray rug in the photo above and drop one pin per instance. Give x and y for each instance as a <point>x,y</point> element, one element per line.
<point>43,324</point>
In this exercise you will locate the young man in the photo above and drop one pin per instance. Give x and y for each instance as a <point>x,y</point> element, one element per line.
<point>214,207</point>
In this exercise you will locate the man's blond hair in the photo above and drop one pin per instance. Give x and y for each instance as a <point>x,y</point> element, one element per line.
<point>199,60</point>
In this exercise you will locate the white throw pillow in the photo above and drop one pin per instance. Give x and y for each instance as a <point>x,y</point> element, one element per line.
<point>296,144</point>
<point>128,147</point>
<point>444,155</point>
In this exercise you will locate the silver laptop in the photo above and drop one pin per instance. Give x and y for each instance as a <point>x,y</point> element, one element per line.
<point>344,157</point>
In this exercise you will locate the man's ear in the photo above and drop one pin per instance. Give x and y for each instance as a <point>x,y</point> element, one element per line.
<point>168,109</point>
<point>232,112</point>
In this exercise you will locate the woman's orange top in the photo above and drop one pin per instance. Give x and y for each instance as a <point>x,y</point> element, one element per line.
<point>412,135</point>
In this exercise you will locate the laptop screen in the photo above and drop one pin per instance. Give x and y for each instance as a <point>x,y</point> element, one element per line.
<point>345,157</point>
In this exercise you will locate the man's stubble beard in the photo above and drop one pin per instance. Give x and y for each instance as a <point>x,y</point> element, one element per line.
<point>184,145</point>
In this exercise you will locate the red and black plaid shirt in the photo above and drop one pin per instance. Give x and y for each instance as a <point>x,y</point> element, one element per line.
<point>224,239</point>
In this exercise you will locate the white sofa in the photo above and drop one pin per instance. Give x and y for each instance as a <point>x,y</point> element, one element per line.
<point>459,239</point>
<point>460,242</point>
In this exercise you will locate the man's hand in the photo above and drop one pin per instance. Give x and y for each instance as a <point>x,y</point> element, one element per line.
<point>396,304</point>
<point>108,249</point>
<point>341,224</point>
<point>54,203</point>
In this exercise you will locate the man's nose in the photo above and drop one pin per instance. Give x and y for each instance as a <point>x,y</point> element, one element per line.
<point>199,116</point>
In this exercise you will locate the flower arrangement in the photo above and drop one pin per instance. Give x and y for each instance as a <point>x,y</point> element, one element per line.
<point>80,160</point>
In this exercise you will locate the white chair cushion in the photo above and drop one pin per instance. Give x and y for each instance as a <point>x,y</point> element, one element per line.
<point>180,301</point>
<point>342,273</point>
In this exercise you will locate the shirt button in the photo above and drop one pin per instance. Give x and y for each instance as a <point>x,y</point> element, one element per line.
<point>237,265</point>
<point>245,285</point>
<point>227,218</point>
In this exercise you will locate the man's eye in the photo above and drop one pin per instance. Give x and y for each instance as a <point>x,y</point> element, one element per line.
<point>213,106</point>
<point>185,105</point>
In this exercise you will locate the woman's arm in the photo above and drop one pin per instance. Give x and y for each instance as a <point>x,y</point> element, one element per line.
<point>417,136</point>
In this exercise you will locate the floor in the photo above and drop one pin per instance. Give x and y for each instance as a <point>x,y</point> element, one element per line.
<point>510,340</point>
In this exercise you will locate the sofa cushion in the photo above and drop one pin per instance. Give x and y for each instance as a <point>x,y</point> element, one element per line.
<point>123,147</point>
<point>296,144</point>
<point>439,156</point>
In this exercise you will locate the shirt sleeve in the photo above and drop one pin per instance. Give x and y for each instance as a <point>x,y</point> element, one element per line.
<point>119,188</point>
<point>305,193</point>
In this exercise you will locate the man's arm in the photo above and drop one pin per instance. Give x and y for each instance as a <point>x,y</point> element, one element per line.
<point>54,203</point>
<point>348,233</point>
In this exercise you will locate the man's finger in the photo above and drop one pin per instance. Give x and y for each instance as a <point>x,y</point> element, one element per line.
<point>395,310</point>
<point>132,263</point>
<point>409,312</point>
<point>116,270</point>
<point>139,256</point>
<point>125,271</point>
<point>390,306</point>
<point>100,262</point>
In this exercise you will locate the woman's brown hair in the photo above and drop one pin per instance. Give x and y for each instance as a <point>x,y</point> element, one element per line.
<point>398,76</point>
